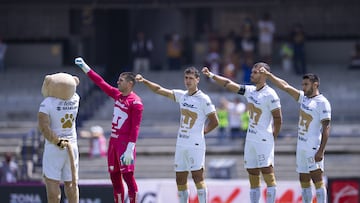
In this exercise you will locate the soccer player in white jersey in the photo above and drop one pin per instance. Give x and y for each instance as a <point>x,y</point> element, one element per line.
<point>56,120</point>
<point>264,126</point>
<point>313,133</point>
<point>198,117</point>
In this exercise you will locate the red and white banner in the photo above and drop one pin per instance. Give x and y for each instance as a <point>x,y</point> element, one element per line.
<point>219,191</point>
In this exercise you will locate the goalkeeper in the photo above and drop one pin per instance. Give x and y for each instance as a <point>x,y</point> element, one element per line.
<point>126,121</point>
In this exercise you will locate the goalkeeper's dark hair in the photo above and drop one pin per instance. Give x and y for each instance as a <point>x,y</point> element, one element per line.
<point>192,70</point>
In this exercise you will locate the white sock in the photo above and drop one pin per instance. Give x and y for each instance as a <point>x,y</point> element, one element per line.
<point>271,194</point>
<point>202,195</point>
<point>306,195</point>
<point>321,195</point>
<point>255,195</point>
<point>183,196</point>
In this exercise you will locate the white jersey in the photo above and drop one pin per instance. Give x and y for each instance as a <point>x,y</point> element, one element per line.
<point>312,112</point>
<point>62,115</point>
<point>194,110</point>
<point>260,105</point>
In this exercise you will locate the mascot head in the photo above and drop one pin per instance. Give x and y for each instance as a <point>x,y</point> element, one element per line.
<point>59,85</point>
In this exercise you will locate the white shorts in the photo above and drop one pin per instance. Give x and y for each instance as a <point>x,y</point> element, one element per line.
<point>189,159</point>
<point>56,162</point>
<point>258,155</point>
<point>305,161</point>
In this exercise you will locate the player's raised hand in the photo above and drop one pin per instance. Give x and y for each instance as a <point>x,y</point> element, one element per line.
<point>139,78</point>
<point>81,63</point>
<point>207,72</point>
<point>263,70</point>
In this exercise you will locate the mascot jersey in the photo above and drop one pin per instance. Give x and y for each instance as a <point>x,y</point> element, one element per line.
<point>127,110</point>
<point>62,115</point>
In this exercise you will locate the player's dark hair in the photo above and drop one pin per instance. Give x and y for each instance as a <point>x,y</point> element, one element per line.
<point>129,76</point>
<point>312,77</point>
<point>192,70</point>
<point>262,64</point>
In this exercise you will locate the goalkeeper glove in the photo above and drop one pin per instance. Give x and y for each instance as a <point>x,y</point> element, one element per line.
<point>128,157</point>
<point>81,63</point>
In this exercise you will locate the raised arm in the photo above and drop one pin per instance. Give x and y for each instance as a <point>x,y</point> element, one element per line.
<point>222,81</point>
<point>156,88</point>
<point>281,84</point>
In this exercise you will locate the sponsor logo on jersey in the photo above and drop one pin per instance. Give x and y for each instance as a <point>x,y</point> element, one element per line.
<point>254,100</point>
<point>189,105</point>
<point>69,107</point>
<point>302,138</point>
<point>252,131</point>
<point>184,136</point>
<point>305,107</point>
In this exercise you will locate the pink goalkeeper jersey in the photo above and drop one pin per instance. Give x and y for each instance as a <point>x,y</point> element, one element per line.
<point>127,110</point>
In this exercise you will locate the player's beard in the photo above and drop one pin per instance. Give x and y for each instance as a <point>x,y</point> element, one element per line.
<point>309,92</point>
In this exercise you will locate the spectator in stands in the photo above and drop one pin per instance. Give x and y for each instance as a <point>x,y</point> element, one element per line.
<point>266,28</point>
<point>298,39</point>
<point>355,57</point>
<point>248,40</point>
<point>198,118</point>
<point>264,127</point>
<point>128,109</point>
<point>236,108</point>
<point>313,133</point>
<point>223,115</point>
<point>286,53</point>
<point>3,48</point>
<point>141,49</point>
<point>97,141</point>
<point>229,45</point>
<point>9,170</point>
<point>174,52</point>
<point>246,67</point>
